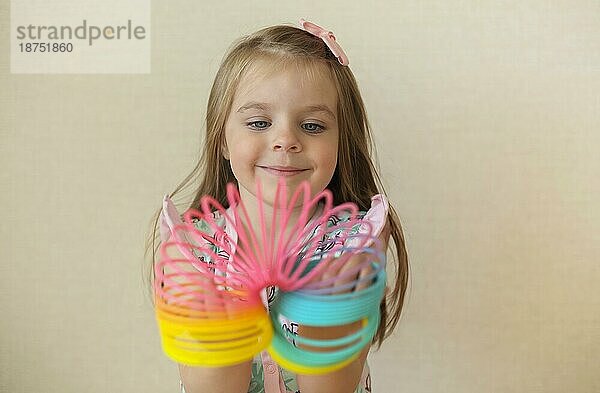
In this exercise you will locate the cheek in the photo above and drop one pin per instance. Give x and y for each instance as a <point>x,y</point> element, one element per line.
<point>243,154</point>
<point>330,155</point>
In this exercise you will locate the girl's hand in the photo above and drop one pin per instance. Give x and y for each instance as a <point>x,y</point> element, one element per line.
<point>333,332</point>
<point>341,271</point>
<point>201,285</point>
<point>231,378</point>
<point>333,270</point>
<point>204,322</point>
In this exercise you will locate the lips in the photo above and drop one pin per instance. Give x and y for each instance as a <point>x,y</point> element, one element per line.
<point>282,168</point>
<point>278,170</point>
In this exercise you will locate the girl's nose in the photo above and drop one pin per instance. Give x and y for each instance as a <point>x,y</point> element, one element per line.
<point>287,141</point>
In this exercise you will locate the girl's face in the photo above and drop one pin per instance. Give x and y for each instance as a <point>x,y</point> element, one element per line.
<point>283,125</point>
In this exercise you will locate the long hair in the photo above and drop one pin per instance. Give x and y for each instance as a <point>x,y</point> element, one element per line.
<point>355,178</point>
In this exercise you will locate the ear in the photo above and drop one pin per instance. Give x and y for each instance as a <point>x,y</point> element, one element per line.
<point>225,150</point>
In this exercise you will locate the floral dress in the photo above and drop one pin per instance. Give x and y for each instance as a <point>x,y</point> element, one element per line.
<point>267,376</point>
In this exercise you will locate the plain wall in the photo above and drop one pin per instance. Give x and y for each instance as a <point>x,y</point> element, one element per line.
<point>486,117</point>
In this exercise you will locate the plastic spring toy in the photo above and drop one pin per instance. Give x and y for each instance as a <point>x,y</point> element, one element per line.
<point>207,288</point>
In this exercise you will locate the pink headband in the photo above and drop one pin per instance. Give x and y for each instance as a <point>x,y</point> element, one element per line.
<point>328,38</point>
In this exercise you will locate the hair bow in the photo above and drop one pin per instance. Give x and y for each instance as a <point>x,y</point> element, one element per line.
<point>328,38</point>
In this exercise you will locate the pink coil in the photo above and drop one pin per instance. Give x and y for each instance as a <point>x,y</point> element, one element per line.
<point>262,255</point>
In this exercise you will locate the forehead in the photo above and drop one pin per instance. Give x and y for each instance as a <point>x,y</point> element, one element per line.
<point>290,84</point>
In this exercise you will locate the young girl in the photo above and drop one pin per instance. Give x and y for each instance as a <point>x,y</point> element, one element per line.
<point>284,103</point>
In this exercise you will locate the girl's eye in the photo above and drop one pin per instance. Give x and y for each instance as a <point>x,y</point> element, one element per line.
<point>319,128</point>
<point>252,124</point>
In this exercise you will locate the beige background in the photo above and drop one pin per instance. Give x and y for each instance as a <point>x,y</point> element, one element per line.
<point>486,115</point>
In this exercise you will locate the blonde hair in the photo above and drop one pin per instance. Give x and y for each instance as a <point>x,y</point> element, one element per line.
<point>355,178</point>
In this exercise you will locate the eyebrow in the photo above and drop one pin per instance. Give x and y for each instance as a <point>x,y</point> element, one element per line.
<point>264,107</point>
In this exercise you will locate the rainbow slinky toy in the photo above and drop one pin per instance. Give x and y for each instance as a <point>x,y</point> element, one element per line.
<point>207,287</point>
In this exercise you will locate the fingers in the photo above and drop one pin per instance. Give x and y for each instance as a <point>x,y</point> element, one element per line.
<point>351,265</point>
<point>345,275</point>
<point>362,274</point>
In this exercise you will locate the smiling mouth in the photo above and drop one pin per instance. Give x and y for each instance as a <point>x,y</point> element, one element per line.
<point>282,171</point>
